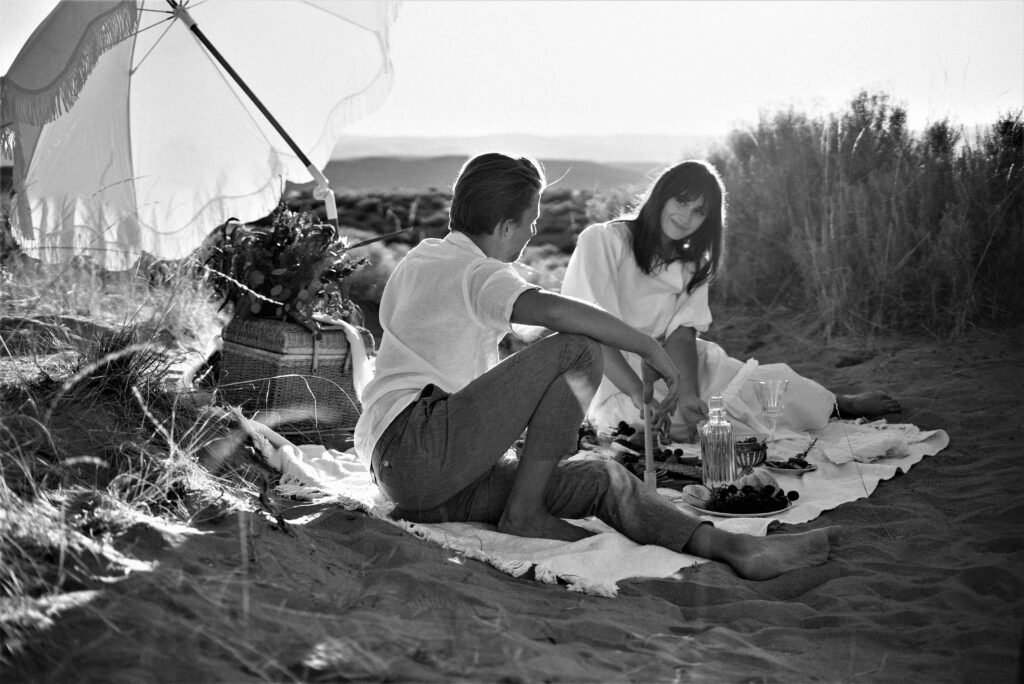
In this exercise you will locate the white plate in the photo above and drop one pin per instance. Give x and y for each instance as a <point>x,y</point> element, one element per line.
<point>789,504</point>
<point>795,471</point>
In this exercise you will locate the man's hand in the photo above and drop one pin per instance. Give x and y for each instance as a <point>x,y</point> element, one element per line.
<point>657,365</point>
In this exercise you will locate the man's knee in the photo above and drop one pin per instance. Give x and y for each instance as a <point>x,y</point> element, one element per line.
<point>606,477</point>
<point>584,349</point>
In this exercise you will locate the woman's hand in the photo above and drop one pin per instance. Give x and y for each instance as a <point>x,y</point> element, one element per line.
<point>690,412</point>
<point>661,421</point>
<point>660,411</point>
<point>657,365</point>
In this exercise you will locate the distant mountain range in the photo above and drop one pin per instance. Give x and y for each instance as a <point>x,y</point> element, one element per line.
<point>650,149</point>
<point>425,173</point>
<point>579,162</point>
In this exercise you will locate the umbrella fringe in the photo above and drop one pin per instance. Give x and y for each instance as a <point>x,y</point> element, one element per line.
<point>100,220</point>
<point>7,137</point>
<point>43,105</point>
<point>367,100</point>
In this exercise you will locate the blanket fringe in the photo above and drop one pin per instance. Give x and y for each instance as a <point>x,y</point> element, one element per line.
<point>514,568</point>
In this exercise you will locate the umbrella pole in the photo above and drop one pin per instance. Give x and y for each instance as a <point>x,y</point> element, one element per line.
<point>323,190</point>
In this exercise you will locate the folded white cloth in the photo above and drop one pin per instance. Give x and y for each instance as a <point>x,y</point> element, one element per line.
<point>595,565</point>
<point>845,441</point>
<point>313,472</point>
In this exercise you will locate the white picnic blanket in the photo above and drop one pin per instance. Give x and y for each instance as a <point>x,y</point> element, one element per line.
<point>851,459</point>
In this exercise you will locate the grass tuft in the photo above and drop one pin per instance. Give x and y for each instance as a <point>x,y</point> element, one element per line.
<point>97,435</point>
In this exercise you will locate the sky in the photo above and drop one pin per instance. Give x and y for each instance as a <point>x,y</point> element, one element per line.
<point>612,67</point>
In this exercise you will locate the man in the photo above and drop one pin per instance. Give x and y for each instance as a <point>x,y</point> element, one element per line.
<point>441,412</point>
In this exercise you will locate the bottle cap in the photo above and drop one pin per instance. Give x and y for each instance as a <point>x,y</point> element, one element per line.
<point>715,404</point>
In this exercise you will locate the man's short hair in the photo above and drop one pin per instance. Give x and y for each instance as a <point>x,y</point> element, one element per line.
<point>492,188</point>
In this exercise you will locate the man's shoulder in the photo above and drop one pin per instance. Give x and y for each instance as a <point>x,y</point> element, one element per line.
<point>426,247</point>
<point>435,263</point>
<point>432,251</point>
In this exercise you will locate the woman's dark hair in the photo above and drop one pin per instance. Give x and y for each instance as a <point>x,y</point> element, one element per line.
<point>491,188</point>
<point>686,182</point>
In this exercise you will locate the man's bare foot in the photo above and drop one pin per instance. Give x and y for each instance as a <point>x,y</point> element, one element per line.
<point>772,556</point>
<point>866,404</point>
<point>542,526</point>
<point>768,557</point>
<point>761,558</point>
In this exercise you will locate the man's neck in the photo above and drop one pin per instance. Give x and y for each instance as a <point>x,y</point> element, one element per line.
<point>488,243</point>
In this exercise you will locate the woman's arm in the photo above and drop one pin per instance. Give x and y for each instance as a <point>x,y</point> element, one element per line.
<point>563,314</point>
<point>681,346</point>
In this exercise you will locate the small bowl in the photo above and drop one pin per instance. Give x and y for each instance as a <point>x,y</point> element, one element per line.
<point>750,450</point>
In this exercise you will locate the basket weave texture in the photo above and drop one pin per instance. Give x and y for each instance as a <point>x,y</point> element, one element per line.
<point>278,367</point>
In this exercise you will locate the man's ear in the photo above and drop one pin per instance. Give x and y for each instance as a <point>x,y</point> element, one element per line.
<point>504,228</point>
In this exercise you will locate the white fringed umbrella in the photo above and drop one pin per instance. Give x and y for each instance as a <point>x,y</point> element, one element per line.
<point>141,125</point>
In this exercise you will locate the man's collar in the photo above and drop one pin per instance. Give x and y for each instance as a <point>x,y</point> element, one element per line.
<point>461,240</point>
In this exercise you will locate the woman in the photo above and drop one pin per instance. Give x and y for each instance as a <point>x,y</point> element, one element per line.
<point>653,271</point>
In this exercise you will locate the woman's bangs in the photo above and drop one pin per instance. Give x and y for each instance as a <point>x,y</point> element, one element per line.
<point>712,193</point>
<point>691,193</point>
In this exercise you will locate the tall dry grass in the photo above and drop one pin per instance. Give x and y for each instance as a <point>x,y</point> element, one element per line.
<point>870,227</point>
<point>96,432</point>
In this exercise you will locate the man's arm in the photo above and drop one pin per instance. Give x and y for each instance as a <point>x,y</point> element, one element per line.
<point>618,370</point>
<point>563,314</point>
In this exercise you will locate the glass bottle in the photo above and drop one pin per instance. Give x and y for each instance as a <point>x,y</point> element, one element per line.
<point>718,464</point>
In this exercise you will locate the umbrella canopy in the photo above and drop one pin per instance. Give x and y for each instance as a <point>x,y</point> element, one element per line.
<point>127,135</point>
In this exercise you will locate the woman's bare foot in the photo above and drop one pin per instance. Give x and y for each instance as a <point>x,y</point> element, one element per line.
<point>542,526</point>
<point>866,404</point>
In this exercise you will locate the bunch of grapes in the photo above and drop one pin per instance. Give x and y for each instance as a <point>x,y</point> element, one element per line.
<point>668,455</point>
<point>732,499</point>
<point>797,462</point>
<point>623,430</point>
<point>793,463</point>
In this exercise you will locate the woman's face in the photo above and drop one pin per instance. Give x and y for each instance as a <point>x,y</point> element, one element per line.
<point>681,219</point>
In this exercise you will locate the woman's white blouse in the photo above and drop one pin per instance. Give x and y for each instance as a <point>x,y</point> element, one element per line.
<point>603,271</point>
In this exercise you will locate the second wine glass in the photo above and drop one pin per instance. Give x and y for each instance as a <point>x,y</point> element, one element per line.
<point>772,395</point>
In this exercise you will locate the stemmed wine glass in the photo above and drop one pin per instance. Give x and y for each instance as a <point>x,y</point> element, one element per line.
<point>772,395</point>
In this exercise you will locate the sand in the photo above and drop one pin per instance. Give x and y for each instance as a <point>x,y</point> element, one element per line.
<point>925,586</point>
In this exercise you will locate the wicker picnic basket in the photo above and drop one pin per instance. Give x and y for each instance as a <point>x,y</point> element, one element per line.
<point>299,381</point>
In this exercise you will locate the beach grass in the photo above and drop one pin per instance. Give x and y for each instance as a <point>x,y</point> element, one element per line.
<point>874,227</point>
